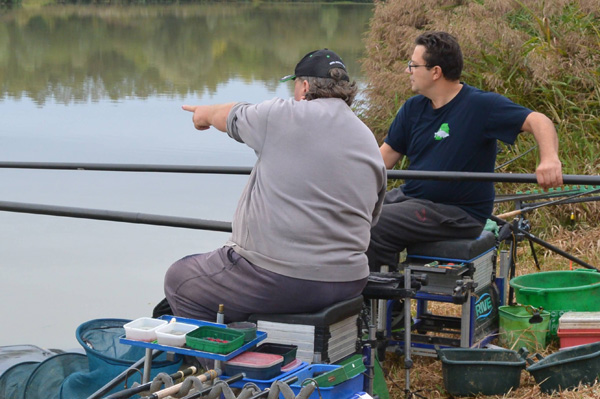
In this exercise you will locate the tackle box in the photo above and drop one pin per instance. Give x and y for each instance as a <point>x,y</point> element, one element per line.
<point>578,328</point>
<point>445,262</point>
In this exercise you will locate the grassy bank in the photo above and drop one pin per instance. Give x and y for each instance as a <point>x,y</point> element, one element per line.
<point>544,55</point>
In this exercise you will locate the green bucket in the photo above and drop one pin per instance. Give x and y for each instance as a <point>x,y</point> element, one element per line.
<point>516,331</point>
<point>559,292</point>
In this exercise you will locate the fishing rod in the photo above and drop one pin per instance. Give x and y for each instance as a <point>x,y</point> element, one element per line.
<point>107,167</point>
<point>246,170</point>
<point>517,230</point>
<point>555,202</point>
<point>116,216</point>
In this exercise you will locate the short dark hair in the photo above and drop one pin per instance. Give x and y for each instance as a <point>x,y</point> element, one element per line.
<point>338,85</point>
<point>442,49</point>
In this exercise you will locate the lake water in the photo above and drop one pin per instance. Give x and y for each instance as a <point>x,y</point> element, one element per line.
<point>105,85</point>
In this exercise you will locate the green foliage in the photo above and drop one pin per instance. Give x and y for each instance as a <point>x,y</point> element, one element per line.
<point>74,53</point>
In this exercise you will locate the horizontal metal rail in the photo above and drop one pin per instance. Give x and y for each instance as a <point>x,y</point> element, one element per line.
<point>222,170</point>
<point>245,170</point>
<point>116,216</point>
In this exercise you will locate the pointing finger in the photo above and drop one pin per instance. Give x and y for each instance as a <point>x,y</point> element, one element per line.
<point>190,108</point>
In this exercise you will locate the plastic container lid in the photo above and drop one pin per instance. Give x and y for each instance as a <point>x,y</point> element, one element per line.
<point>577,320</point>
<point>291,365</point>
<point>255,360</point>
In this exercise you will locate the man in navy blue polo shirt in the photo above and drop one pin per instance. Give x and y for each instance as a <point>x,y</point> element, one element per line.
<point>450,126</point>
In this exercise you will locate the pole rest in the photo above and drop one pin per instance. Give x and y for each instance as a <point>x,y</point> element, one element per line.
<point>462,290</point>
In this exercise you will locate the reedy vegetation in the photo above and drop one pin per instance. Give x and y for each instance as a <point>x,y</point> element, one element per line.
<point>544,55</point>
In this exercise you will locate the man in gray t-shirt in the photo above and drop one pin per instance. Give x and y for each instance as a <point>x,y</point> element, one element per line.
<point>303,222</point>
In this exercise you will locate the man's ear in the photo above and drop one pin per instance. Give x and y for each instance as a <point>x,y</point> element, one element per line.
<point>437,72</point>
<point>305,87</point>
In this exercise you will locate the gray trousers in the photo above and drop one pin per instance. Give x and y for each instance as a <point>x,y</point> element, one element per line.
<point>406,220</point>
<point>197,284</point>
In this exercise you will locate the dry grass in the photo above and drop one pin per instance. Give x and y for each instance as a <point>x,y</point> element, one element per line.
<point>541,54</point>
<point>581,240</point>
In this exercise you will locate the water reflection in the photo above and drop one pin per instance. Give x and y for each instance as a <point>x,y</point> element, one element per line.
<point>105,84</point>
<point>80,53</point>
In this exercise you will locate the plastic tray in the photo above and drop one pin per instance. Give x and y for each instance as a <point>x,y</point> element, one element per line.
<point>173,333</point>
<point>143,329</point>
<point>287,351</point>
<point>260,336</point>
<point>214,339</point>
<point>261,366</point>
<point>263,384</point>
<point>344,389</point>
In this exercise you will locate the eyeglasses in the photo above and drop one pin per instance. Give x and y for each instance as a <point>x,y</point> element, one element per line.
<point>411,66</point>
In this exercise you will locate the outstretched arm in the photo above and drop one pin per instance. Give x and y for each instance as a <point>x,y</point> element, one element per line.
<point>206,116</point>
<point>549,170</point>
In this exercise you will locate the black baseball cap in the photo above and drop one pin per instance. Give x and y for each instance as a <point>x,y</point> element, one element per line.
<point>316,64</point>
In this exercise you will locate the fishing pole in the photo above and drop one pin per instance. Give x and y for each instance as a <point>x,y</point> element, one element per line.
<point>106,167</point>
<point>246,170</point>
<point>515,158</point>
<point>543,243</point>
<point>555,202</point>
<point>116,216</point>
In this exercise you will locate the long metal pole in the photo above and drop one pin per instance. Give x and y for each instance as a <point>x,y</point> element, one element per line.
<point>495,177</point>
<point>245,170</point>
<point>116,216</point>
<point>222,170</point>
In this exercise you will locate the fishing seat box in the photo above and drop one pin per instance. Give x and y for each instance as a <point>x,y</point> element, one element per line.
<point>460,260</point>
<point>471,258</point>
<point>578,328</point>
<point>322,337</point>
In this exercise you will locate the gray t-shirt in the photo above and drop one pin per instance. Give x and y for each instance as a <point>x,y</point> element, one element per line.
<point>314,193</point>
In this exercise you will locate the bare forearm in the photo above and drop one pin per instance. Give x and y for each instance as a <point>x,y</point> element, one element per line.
<point>206,116</point>
<point>549,170</point>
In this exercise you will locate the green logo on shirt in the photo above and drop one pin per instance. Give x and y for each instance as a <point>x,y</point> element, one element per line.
<point>443,132</point>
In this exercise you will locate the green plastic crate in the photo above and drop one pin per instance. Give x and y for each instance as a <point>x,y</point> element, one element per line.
<point>200,339</point>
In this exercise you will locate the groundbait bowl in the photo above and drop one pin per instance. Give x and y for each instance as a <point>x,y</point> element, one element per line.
<point>477,371</point>
<point>567,368</point>
<point>577,290</point>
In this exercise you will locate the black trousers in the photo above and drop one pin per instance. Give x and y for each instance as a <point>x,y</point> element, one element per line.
<point>406,220</point>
